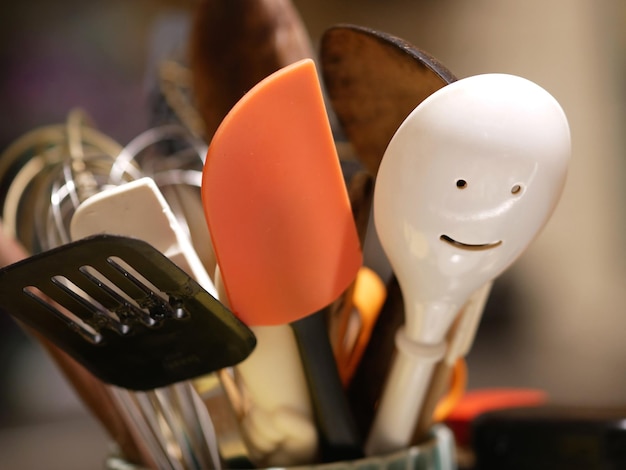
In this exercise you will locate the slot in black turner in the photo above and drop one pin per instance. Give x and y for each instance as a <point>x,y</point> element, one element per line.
<point>125,311</point>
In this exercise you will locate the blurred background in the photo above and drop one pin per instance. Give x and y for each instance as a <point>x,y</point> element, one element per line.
<point>555,320</point>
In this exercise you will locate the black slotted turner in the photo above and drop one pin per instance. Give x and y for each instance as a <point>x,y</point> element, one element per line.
<point>125,311</point>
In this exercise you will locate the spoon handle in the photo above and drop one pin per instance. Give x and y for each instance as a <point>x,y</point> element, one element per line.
<point>398,410</point>
<point>460,340</point>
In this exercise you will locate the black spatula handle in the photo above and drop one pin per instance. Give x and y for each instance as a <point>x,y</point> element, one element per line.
<point>339,437</point>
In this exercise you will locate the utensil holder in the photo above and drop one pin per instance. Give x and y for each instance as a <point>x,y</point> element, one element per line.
<point>437,452</point>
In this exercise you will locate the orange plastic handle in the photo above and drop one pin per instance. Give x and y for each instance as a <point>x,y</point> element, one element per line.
<point>357,325</point>
<point>455,393</point>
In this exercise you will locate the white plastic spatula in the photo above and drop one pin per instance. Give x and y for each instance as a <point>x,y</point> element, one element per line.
<point>138,209</point>
<point>466,183</point>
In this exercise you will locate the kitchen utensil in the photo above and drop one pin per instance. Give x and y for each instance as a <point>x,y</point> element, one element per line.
<point>36,179</point>
<point>277,418</point>
<point>78,161</point>
<point>234,45</point>
<point>466,183</point>
<point>138,209</point>
<point>262,146</point>
<point>373,81</point>
<point>158,308</point>
<point>237,43</point>
<point>281,225</point>
<point>368,297</point>
<point>232,448</point>
<point>275,405</point>
<point>128,411</point>
<point>340,438</point>
<point>460,339</point>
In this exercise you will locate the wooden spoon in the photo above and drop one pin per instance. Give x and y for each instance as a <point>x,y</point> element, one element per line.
<point>235,44</point>
<point>373,81</point>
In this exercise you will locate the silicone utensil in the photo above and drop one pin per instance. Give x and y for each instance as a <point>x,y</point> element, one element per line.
<point>340,438</point>
<point>368,297</point>
<point>138,209</point>
<point>264,146</point>
<point>280,221</point>
<point>160,310</point>
<point>233,46</point>
<point>466,183</point>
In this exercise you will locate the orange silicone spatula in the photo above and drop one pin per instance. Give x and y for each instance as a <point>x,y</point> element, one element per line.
<point>276,204</point>
<point>280,220</point>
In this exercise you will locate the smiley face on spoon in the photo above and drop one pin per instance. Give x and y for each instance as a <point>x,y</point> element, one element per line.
<point>462,184</point>
<point>469,246</point>
<point>479,167</point>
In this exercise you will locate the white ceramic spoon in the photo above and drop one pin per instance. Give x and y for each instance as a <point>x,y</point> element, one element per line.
<point>466,183</point>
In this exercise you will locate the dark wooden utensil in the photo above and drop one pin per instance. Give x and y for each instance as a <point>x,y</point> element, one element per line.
<point>373,81</point>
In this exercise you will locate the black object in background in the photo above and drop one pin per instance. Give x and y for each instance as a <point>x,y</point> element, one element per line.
<point>550,437</point>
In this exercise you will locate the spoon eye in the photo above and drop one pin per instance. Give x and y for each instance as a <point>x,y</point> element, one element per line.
<point>461,184</point>
<point>516,189</point>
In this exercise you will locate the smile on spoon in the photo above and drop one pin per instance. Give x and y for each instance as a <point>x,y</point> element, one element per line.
<point>469,246</point>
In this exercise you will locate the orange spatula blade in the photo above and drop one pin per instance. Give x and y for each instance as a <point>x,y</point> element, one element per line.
<point>275,202</point>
